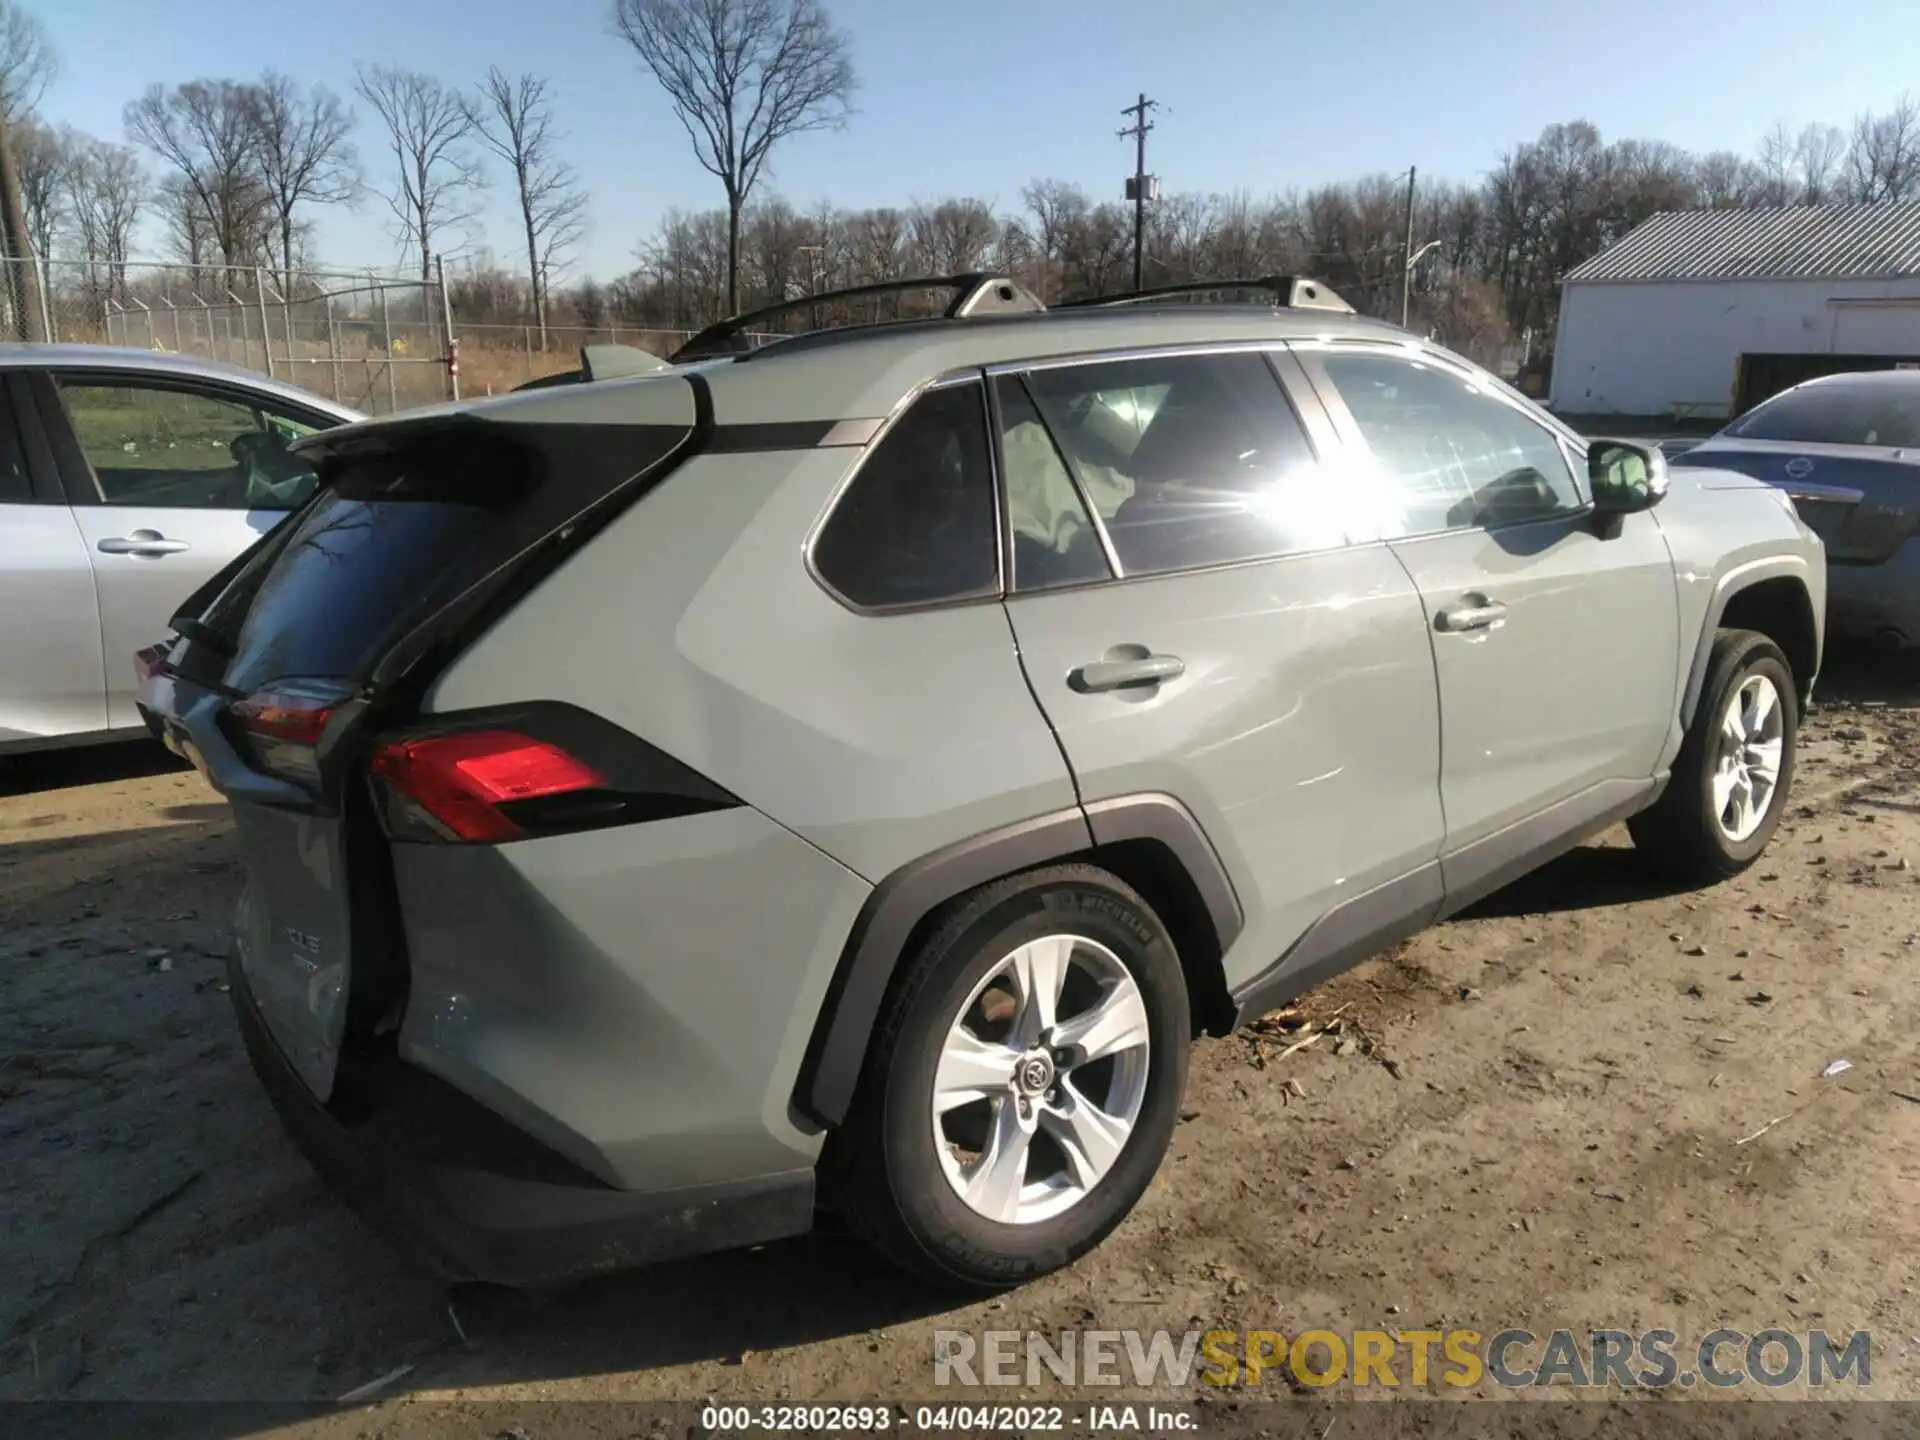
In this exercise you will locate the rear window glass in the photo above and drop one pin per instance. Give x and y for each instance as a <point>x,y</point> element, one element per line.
<point>350,574</point>
<point>395,533</point>
<point>1837,415</point>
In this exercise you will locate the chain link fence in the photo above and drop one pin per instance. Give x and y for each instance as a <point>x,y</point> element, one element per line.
<point>379,343</point>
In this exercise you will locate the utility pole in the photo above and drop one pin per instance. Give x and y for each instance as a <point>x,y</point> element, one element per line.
<point>1406,258</point>
<point>22,283</point>
<point>1139,186</point>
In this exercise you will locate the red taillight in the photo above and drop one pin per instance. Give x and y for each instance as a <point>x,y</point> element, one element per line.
<point>462,780</point>
<point>280,727</point>
<point>274,715</point>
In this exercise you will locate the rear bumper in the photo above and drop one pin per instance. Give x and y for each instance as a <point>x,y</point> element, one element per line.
<point>475,1199</point>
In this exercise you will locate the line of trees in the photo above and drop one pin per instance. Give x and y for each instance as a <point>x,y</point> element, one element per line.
<point>233,171</point>
<point>1490,281</point>
<point>236,171</point>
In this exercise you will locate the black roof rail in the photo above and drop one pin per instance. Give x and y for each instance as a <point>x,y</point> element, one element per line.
<point>977,293</point>
<point>1292,292</point>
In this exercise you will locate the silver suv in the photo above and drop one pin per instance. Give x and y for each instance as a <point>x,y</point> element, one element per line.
<point>848,774</point>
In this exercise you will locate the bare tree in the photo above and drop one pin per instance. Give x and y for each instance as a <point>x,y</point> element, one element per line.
<point>1818,153</point>
<point>208,132</point>
<point>742,75</point>
<point>106,190</point>
<point>1778,165</point>
<point>952,237</point>
<point>436,175</point>
<point>1883,162</point>
<point>41,156</point>
<point>1056,207</point>
<point>515,120</point>
<point>188,235</point>
<point>27,61</point>
<point>304,152</point>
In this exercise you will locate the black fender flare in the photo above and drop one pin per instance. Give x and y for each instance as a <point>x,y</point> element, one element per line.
<point>837,1051</point>
<point>1725,588</point>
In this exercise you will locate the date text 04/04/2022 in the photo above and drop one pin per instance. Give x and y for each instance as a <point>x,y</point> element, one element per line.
<point>934,1419</point>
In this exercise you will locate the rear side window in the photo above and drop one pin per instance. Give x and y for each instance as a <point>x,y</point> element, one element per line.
<point>1054,539</point>
<point>916,526</point>
<point>1190,460</point>
<point>1842,414</point>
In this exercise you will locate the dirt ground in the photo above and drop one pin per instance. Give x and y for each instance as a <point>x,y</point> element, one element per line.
<point>1547,1113</point>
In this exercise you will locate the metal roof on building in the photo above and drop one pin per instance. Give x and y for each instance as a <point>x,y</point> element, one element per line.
<point>1805,242</point>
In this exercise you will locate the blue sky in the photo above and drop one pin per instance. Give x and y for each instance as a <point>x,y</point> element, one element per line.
<point>1261,95</point>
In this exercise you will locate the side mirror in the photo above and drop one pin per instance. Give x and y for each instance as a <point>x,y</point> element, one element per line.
<point>1626,478</point>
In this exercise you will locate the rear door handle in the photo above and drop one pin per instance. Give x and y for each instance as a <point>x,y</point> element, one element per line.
<point>1125,674</point>
<point>1479,614</point>
<point>141,542</point>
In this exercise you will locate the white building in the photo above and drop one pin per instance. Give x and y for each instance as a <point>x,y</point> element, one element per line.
<point>1707,312</point>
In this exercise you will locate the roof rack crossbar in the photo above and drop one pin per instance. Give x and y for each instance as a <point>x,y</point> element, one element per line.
<point>975,293</point>
<point>1293,292</point>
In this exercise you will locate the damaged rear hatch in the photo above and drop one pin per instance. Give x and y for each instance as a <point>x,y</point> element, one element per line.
<point>288,671</point>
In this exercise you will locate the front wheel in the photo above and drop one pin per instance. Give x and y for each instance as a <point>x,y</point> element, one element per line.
<point>1024,1083</point>
<point>1730,780</point>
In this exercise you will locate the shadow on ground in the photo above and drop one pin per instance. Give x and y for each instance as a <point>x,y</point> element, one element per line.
<point>42,770</point>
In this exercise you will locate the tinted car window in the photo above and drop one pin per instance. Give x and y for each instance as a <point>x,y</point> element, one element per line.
<point>1449,454</point>
<point>1838,414</point>
<point>176,445</point>
<point>1054,539</point>
<point>917,524</point>
<point>15,486</point>
<point>1190,460</point>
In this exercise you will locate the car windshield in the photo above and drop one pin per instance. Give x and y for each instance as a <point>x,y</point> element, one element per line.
<point>1878,414</point>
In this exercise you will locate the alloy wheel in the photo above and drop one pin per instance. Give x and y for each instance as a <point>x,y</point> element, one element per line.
<point>1746,775</point>
<point>1040,1080</point>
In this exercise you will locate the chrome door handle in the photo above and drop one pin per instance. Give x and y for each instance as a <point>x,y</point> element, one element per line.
<point>1123,674</point>
<point>141,542</point>
<point>1483,614</point>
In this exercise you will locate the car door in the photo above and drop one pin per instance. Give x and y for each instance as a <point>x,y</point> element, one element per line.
<point>169,479</point>
<point>52,681</point>
<point>1553,633</point>
<point>1201,616</point>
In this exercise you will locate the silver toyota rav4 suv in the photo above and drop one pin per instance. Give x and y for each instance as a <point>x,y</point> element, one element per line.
<point>844,775</point>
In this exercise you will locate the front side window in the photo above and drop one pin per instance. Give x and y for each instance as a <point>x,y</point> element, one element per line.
<point>171,445</point>
<point>1447,454</point>
<point>916,526</point>
<point>1190,460</point>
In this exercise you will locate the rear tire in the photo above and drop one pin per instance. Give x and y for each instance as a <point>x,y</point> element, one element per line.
<point>1078,1121</point>
<point>1731,779</point>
